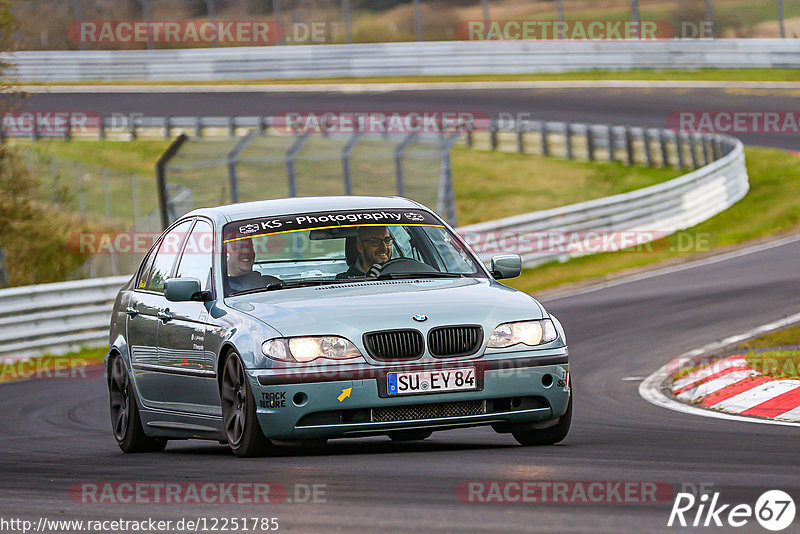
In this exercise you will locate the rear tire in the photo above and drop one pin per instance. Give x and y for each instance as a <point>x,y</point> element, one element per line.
<point>239,419</point>
<point>410,435</point>
<point>548,436</point>
<point>125,420</point>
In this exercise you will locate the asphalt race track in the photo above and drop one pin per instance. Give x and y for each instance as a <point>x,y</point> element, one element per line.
<point>56,433</point>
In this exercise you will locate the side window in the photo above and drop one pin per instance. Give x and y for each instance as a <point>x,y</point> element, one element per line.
<point>197,255</point>
<point>168,250</point>
<point>147,265</point>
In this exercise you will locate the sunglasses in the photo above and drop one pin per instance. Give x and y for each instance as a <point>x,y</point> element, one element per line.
<point>375,242</point>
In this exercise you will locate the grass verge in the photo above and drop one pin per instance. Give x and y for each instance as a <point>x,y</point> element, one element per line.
<point>75,365</point>
<point>779,338</point>
<point>776,363</point>
<point>769,209</point>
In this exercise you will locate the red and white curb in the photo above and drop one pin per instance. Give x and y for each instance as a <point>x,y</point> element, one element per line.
<point>728,388</point>
<point>731,386</point>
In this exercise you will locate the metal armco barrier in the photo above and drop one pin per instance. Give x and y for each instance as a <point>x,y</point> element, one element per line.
<point>399,59</point>
<point>56,318</point>
<point>660,210</point>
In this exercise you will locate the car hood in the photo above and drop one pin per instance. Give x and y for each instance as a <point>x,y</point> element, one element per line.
<point>351,309</point>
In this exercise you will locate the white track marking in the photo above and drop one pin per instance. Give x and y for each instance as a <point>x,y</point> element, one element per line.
<point>712,386</point>
<point>755,396</point>
<point>650,388</point>
<point>791,415</point>
<point>705,372</point>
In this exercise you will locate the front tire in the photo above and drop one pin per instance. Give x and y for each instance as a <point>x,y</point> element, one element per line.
<point>125,420</point>
<point>239,412</point>
<point>548,436</point>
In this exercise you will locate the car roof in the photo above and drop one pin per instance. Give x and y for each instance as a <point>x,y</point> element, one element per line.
<point>287,206</point>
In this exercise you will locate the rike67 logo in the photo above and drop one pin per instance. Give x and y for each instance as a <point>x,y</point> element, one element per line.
<point>774,510</point>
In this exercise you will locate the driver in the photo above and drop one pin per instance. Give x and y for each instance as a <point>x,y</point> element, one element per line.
<point>240,258</point>
<point>374,245</point>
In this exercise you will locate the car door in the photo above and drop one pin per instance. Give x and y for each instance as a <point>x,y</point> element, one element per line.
<point>191,377</point>
<point>146,313</point>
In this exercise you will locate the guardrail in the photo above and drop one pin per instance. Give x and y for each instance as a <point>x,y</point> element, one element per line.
<point>400,59</point>
<point>56,318</point>
<point>60,317</point>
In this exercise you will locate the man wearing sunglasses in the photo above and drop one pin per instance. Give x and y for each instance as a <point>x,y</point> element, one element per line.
<point>374,246</point>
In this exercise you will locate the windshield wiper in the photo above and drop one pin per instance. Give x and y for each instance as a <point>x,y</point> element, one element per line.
<point>285,285</point>
<point>430,274</point>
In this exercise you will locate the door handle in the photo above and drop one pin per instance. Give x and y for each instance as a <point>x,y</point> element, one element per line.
<point>164,314</point>
<point>131,311</point>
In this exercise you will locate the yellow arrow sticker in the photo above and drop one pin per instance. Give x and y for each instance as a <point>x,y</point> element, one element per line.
<point>345,393</point>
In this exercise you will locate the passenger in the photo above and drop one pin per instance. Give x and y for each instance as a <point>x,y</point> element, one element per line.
<point>374,246</point>
<point>240,258</point>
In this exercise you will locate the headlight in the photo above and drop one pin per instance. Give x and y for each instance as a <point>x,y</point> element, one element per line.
<point>529,333</point>
<point>308,349</point>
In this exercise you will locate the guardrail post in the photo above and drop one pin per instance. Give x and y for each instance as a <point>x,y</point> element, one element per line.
<point>520,139</point>
<point>611,144</point>
<point>134,135</point>
<point>101,132</point>
<point>693,149</point>
<point>568,140</point>
<point>198,127</point>
<point>231,126</point>
<point>589,142</point>
<point>161,177</point>
<point>35,130</point>
<point>233,179</point>
<point>264,123</point>
<point>706,149</point>
<point>290,157</point>
<point>629,146</point>
<point>716,148</point>
<point>346,149</point>
<point>545,141</point>
<point>648,149</point>
<point>167,128</point>
<point>469,138</point>
<point>493,135</point>
<point>662,139</point>
<point>679,150</point>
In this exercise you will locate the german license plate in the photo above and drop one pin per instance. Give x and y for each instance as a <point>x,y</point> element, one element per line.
<point>418,382</point>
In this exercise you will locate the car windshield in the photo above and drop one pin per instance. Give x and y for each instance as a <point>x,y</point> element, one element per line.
<point>279,252</point>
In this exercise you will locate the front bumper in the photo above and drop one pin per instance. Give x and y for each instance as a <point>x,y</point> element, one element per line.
<point>528,388</point>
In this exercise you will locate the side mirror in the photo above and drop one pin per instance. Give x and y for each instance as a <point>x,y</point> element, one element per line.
<point>184,290</point>
<point>506,266</point>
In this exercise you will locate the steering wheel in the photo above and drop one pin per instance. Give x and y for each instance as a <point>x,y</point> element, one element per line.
<point>400,265</point>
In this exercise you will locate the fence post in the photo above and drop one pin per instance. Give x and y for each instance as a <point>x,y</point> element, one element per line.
<point>167,128</point>
<point>35,131</point>
<point>161,177</point>
<point>493,135</point>
<point>3,268</point>
<point>107,198</point>
<point>662,138</point>
<point>135,201</point>
<point>648,149</point>
<point>520,138</point>
<point>264,123</point>
<point>629,146</point>
<point>398,161</point>
<point>679,149</point>
<point>290,157</point>
<point>346,149</point>
<point>589,142</point>
<point>568,140</point>
<point>469,138</point>
<point>233,179</point>
<point>446,202</point>
<point>133,128</point>
<point>611,141</point>
<point>544,141</point>
<point>101,133</point>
